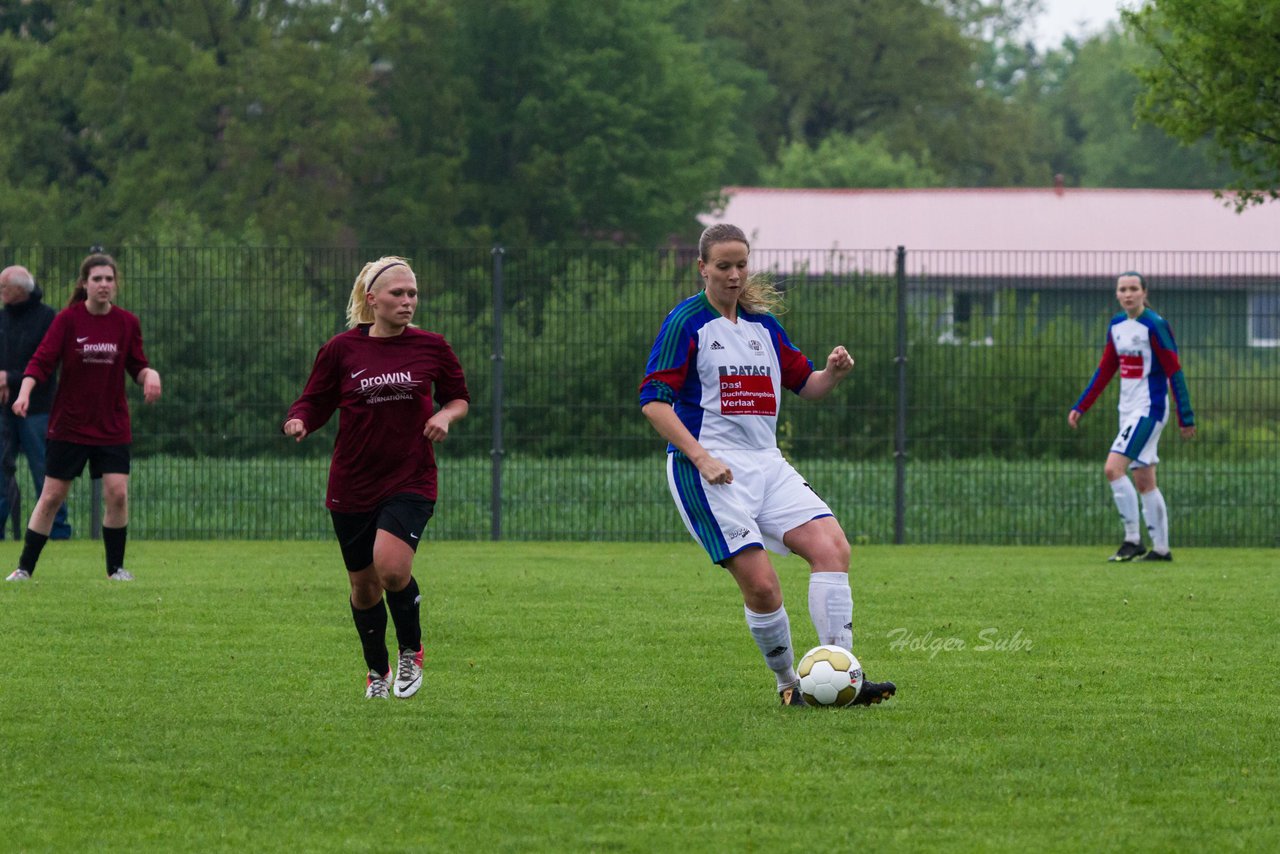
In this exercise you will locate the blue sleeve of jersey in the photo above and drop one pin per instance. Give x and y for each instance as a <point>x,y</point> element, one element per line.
<point>668,362</point>
<point>1182,396</point>
<point>1165,351</point>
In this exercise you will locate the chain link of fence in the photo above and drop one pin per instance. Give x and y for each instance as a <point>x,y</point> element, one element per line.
<point>952,428</point>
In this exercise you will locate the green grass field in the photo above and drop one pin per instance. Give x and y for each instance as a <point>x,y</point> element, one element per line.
<point>607,697</point>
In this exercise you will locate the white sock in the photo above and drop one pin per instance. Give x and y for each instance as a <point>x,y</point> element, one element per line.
<point>1127,503</point>
<point>831,608</point>
<point>772,633</point>
<point>1157,516</point>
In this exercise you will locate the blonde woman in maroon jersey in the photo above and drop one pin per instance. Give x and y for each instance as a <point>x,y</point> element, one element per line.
<point>385,377</point>
<point>96,343</point>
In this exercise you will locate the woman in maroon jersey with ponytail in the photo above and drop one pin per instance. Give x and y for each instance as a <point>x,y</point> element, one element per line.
<point>96,343</point>
<point>383,375</point>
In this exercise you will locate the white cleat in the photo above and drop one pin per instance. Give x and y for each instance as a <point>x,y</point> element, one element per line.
<point>377,687</point>
<point>409,673</point>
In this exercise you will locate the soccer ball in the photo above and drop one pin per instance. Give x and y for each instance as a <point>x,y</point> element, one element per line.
<point>829,676</point>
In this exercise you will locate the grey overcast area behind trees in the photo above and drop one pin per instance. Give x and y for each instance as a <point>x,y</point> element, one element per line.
<point>580,122</point>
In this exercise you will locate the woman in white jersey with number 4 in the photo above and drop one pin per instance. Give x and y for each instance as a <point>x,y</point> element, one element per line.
<point>1140,345</point>
<point>711,389</point>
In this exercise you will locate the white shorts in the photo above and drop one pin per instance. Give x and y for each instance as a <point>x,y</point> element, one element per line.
<point>1138,439</point>
<point>767,499</point>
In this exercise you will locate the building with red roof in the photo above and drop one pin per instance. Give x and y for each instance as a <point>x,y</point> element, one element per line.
<point>1219,268</point>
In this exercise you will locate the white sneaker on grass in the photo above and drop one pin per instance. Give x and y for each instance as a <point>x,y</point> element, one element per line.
<point>19,575</point>
<point>121,574</point>
<point>376,686</point>
<point>409,672</point>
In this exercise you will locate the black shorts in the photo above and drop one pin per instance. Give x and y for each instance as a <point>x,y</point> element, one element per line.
<point>65,460</point>
<point>402,515</point>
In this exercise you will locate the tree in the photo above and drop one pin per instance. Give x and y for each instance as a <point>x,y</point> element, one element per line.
<point>1112,149</point>
<point>588,121</point>
<point>919,76</point>
<point>129,108</point>
<point>840,161</point>
<point>846,66</point>
<point>29,19</point>
<point>298,131</point>
<point>1005,54</point>
<point>95,106</point>
<point>414,190</point>
<point>1217,75</point>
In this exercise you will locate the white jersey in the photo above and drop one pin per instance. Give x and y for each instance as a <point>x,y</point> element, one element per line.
<point>724,378</point>
<point>1142,349</point>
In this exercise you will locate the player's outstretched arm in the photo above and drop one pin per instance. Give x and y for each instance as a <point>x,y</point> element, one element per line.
<point>820,383</point>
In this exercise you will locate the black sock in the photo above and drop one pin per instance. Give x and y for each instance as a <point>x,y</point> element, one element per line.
<point>404,613</point>
<point>371,624</point>
<point>32,545</point>
<point>113,540</point>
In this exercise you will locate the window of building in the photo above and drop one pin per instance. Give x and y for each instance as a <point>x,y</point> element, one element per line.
<point>1264,319</point>
<point>968,318</point>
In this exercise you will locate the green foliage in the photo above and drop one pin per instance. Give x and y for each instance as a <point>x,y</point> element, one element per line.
<point>926,78</point>
<point>1113,149</point>
<point>1216,76</point>
<point>234,333</point>
<point>595,129</point>
<point>1005,386</point>
<point>1005,53</point>
<point>595,375</point>
<point>416,190</point>
<point>220,347</point>
<point>127,108</point>
<point>844,66</point>
<point>841,161</point>
<point>30,19</point>
<point>571,123</point>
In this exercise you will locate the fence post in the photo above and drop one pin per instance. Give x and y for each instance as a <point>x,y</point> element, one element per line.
<point>496,451</point>
<point>900,416</point>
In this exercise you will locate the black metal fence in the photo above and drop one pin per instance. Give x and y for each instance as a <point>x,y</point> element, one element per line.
<point>952,428</point>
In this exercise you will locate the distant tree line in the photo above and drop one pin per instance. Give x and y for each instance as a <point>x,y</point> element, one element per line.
<point>365,123</point>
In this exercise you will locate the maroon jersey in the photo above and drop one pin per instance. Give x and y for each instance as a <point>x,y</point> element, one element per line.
<point>384,389</point>
<point>95,351</point>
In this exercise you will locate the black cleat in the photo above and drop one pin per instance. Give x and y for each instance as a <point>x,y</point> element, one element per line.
<point>1128,551</point>
<point>791,696</point>
<point>1166,556</point>
<point>874,692</point>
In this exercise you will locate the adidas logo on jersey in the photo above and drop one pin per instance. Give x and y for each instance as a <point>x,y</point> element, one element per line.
<point>716,345</point>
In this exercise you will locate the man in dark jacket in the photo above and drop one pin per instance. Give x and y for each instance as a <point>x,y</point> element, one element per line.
<point>23,323</point>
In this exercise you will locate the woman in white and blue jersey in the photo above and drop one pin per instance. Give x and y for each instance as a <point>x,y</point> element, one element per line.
<point>712,388</point>
<point>1140,346</point>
